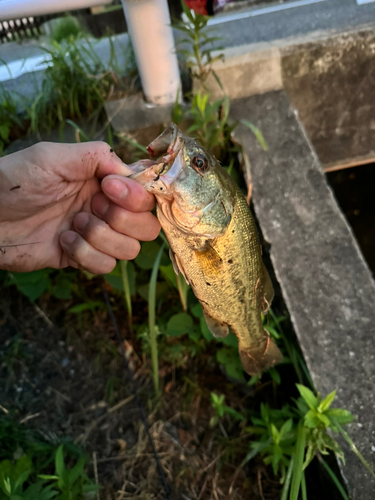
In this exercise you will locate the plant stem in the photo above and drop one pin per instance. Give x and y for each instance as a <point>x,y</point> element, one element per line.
<point>284,493</point>
<point>334,479</point>
<point>303,486</point>
<point>298,464</point>
<point>353,447</point>
<point>151,318</point>
<point>127,295</point>
<point>183,289</point>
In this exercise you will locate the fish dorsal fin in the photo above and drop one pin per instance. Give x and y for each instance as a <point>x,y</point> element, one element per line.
<point>218,329</point>
<point>267,291</point>
<point>177,266</point>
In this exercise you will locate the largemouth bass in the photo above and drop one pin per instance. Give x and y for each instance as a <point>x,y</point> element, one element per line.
<point>213,242</point>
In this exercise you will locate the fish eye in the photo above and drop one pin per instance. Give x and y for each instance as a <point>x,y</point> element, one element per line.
<point>200,163</point>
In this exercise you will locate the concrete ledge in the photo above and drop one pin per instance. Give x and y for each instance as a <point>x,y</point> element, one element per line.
<point>247,70</point>
<point>328,76</point>
<point>325,281</point>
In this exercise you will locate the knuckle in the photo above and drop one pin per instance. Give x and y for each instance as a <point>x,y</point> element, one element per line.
<point>96,231</point>
<point>115,217</point>
<point>101,147</point>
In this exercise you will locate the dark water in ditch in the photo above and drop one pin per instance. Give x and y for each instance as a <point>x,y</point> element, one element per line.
<point>354,189</point>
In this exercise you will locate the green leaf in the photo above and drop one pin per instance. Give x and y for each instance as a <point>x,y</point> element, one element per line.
<point>4,131</point>
<point>32,284</point>
<point>147,255</point>
<point>77,470</point>
<point>81,134</point>
<point>308,396</point>
<point>275,434</point>
<point>343,417</point>
<point>59,462</point>
<point>187,11</point>
<point>277,455</point>
<point>87,306</point>
<point>327,401</point>
<point>253,380</point>
<point>207,335</point>
<point>310,453</point>
<point>275,375</point>
<point>323,418</point>
<point>214,398</point>
<point>161,290</point>
<point>87,488</point>
<point>333,445</point>
<point>230,340</point>
<point>179,324</point>
<point>311,419</point>
<point>115,278</point>
<point>258,134</point>
<point>63,286</point>
<point>231,361</point>
<point>197,311</point>
<point>169,274</point>
<point>286,428</point>
<point>234,413</point>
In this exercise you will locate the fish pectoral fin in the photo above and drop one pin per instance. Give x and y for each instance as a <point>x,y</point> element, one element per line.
<point>267,291</point>
<point>177,266</point>
<point>218,329</point>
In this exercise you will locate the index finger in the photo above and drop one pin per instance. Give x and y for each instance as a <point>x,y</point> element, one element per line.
<point>83,161</point>
<point>127,193</point>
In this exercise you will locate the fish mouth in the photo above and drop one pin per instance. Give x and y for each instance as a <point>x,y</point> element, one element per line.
<point>166,149</point>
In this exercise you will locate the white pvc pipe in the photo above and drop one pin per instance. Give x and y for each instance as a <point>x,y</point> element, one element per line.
<point>149,26</point>
<point>18,9</point>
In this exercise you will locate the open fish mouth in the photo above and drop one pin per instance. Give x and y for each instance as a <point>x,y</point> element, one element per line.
<point>165,148</point>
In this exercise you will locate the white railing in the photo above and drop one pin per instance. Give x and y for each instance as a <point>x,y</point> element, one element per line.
<point>18,9</point>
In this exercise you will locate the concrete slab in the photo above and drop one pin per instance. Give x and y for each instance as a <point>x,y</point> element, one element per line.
<point>325,281</point>
<point>331,83</point>
<point>328,76</point>
<point>133,113</point>
<point>247,70</point>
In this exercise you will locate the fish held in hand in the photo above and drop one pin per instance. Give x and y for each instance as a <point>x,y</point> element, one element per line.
<point>213,242</point>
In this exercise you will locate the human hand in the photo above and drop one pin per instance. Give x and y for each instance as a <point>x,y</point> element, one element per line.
<point>54,212</point>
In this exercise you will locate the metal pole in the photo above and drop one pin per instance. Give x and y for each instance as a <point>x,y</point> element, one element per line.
<point>149,26</point>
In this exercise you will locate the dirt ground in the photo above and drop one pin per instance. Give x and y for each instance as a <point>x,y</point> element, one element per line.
<point>64,377</point>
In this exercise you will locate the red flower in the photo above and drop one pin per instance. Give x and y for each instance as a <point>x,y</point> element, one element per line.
<point>198,6</point>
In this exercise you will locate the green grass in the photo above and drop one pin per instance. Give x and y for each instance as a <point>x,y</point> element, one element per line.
<point>28,478</point>
<point>67,28</point>
<point>76,85</point>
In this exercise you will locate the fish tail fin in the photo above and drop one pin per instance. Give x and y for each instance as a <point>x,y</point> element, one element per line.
<point>257,359</point>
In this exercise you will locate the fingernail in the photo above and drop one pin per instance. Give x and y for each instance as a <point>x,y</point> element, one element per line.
<point>68,237</point>
<point>116,188</point>
<point>81,220</point>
